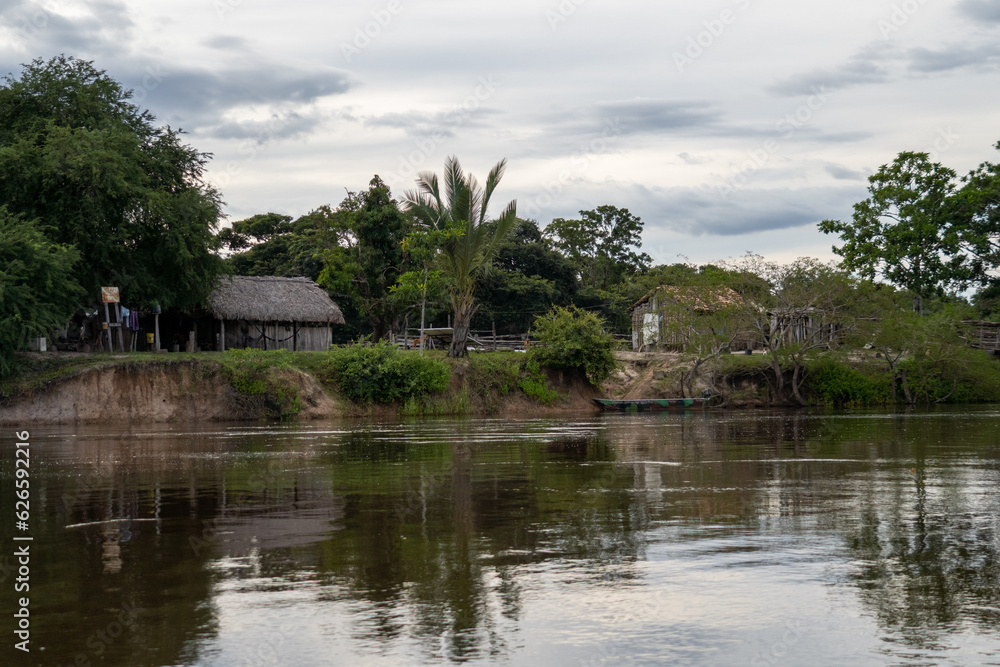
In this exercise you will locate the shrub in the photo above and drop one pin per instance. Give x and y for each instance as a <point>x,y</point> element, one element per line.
<point>381,373</point>
<point>493,376</point>
<point>535,385</point>
<point>571,338</point>
<point>961,375</point>
<point>837,383</point>
<point>259,392</point>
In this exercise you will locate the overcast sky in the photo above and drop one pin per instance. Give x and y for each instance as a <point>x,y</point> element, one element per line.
<point>727,125</point>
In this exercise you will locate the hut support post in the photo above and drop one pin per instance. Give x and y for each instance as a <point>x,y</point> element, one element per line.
<point>107,321</point>
<point>423,309</point>
<point>295,336</point>
<point>121,339</point>
<point>222,335</point>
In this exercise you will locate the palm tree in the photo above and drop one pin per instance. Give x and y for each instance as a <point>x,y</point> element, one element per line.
<point>470,241</point>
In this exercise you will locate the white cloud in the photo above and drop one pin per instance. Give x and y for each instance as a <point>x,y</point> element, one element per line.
<point>592,110</point>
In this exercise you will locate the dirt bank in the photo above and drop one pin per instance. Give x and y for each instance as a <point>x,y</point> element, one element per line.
<point>124,391</point>
<point>149,392</point>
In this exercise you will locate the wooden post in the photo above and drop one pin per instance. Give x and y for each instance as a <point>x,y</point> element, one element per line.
<point>423,307</point>
<point>107,320</point>
<point>295,336</point>
<point>222,336</point>
<point>156,332</point>
<point>121,338</point>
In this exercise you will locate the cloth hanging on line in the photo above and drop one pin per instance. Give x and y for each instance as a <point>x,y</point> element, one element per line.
<point>133,321</point>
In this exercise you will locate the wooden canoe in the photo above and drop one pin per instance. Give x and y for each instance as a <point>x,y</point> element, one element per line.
<point>651,404</point>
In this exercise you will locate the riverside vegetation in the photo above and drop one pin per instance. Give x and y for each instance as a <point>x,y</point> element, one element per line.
<point>379,378</point>
<point>148,223</point>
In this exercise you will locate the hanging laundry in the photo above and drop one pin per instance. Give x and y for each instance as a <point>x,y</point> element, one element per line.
<point>124,312</point>
<point>133,322</point>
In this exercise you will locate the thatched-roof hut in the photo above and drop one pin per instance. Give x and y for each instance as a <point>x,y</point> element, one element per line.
<point>270,312</point>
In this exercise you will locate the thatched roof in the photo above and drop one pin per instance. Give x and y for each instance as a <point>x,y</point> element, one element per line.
<point>272,299</point>
<point>699,297</point>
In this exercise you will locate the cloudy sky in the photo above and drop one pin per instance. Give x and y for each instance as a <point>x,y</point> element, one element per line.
<point>726,125</point>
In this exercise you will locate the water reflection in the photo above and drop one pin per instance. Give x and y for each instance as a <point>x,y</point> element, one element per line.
<point>536,542</point>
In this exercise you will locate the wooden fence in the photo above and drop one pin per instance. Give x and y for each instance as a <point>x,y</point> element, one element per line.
<point>488,341</point>
<point>981,335</point>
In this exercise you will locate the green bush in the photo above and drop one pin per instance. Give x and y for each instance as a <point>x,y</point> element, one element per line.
<point>535,385</point>
<point>962,375</point>
<point>381,373</point>
<point>834,382</point>
<point>260,392</point>
<point>496,374</point>
<point>571,338</point>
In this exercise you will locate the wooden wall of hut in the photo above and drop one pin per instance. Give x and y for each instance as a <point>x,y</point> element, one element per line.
<point>297,336</point>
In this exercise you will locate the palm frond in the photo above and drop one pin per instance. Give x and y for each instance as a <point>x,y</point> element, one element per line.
<point>492,180</point>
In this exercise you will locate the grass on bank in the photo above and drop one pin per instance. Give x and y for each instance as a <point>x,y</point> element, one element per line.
<point>363,375</point>
<point>863,379</point>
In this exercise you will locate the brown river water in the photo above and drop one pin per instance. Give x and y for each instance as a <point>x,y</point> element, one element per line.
<point>716,538</point>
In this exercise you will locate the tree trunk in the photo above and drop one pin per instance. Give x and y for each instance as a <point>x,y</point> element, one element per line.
<point>465,308</point>
<point>779,381</point>
<point>796,383</point>
<point>906,389</point>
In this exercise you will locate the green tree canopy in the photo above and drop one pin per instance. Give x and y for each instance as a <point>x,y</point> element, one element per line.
<point>530,278</point>
<point>97,174</point>
<point>38,292</point>
<point>905,231</point>
<point>978,213</point>
<point>603,244</point>
<point>270,244</point>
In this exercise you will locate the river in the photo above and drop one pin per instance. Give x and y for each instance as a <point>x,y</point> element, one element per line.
<point>716,538</point>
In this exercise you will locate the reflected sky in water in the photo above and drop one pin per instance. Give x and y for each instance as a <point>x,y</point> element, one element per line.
<point>723,538</point>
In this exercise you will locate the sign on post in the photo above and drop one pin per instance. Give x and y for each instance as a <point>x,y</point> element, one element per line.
<point>110,295</point>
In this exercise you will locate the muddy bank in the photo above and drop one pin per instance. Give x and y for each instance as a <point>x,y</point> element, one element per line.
<point>199,390</point>
<point>147,392</point>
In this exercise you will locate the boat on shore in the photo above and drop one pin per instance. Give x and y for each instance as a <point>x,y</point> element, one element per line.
<point>651,404</point>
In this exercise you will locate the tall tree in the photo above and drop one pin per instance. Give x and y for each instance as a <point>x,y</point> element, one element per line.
<point>904,231</point>
<point>978,213</point>
<point>98,174</point>
<point>37,290</point>
<point>369,255</point>
<point>270,244</point>
<point>530,280</point>
<point>471,243</point>
<point>603,244</point>
<point>380,228</point>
